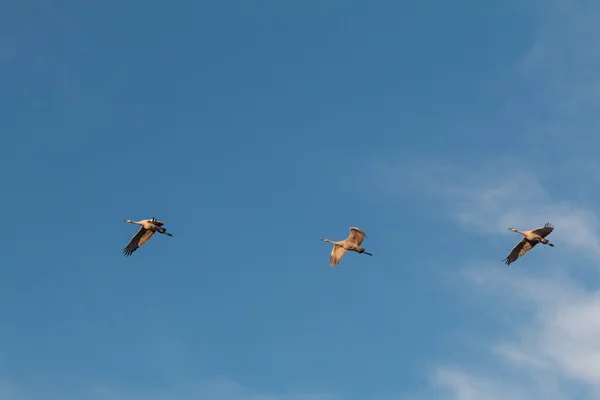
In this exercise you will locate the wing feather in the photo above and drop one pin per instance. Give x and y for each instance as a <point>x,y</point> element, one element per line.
<point>356,236</point>
<point>141,237</point>
<point>544,230</point>
<point>336,255</point>
<point>519,250</point>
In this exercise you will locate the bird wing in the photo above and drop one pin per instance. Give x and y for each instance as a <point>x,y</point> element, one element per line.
<point>141,237</point>
<point>336,255</point>
<point>356,236</point>
<point>519,250</point>
<point>544,230</point>
<point>158,225</point>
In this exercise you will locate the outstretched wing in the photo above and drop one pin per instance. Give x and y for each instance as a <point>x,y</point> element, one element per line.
<point>141,237</point>
<point>336,255</point>
<point>519,250</point>
<point>544,230</point>
<point>356,236</point>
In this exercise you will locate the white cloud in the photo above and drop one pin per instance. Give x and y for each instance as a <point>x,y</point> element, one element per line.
<point>564,337</point>
<point>458,384</point>
<point>501,195</point>
<point>549,347</point>
<point>464,386</point>
<point>555,351</point>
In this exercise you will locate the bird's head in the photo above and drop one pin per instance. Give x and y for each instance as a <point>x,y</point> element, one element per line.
<point>324,239</point>
<point>512,229</point>
<point>127,220</point>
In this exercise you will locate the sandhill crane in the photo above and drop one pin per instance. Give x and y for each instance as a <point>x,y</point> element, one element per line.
<point>352,243</point>
<point>530,239</point>
<point>148,227</point>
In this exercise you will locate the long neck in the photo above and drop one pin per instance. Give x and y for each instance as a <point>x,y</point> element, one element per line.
<point>327,240</point>
<point>136,223</point>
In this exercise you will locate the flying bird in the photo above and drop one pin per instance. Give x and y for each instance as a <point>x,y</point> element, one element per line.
<point>530,239</point>
<point>352,243</point>
<point>147,229</point>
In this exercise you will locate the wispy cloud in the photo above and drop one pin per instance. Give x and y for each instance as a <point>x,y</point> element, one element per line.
<point>465,386</point>
<point>563,335</point>
<point>554,352</point>
<point>563,60</point>
<point>553,92</point>
<point>500,195</point>
<point>458,384</point>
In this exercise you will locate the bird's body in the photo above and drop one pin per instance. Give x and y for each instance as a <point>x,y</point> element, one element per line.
<point>147,228</point>
<point>351,243</point>
<point>530,239</point>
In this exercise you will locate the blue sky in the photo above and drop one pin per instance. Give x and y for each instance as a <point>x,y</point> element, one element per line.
<point>253,129</point>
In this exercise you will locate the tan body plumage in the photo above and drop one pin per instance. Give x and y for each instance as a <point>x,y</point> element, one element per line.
<point>530,239</point>
<point>352,243</point>
<point>147,229</point>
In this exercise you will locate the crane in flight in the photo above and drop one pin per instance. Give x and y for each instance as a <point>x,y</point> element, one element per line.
<point>147,228</point>
<point>530,239</point>
<point>351,243</point>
